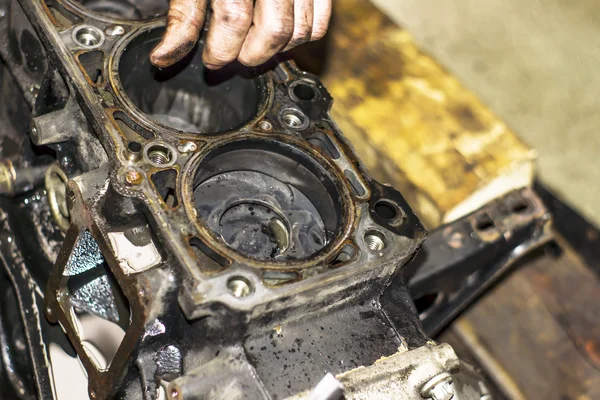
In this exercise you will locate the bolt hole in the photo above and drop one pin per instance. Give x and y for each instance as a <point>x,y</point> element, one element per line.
<point>88,36</point>
<point>291,120</point>
<point>375,240</point>
<point>159,155</point>
<point>294,119</point>
<point>134,151</point>
<point>134,147</point>
<point>484,223</point>
<point>386,210</point>
<point>520,207</point>
<point>239,287</point>
<point>304,92</point>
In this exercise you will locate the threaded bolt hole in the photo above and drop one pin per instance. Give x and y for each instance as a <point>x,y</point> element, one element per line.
<point>159,155</point>
<point>239,287</point>
<point>375,240</point>
<point>294,119</point>
<point>291,120</point>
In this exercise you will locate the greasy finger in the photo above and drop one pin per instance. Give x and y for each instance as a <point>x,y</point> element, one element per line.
<point>303,23</point>
<point>322,15</point>
<point>272,30</point>
<point>229,25</point>
<point>184,22</point>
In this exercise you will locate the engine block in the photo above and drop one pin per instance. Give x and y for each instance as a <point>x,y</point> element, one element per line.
<point>212,233</point>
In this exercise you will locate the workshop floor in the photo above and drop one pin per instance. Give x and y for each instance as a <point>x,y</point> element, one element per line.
<point>535,64</point>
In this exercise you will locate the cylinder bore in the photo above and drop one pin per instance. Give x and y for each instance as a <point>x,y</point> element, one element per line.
<point>187,96</point>
<point>125,9</point>
<point>267,200</point>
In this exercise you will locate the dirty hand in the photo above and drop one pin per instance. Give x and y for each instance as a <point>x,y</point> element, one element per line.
<point>247,30</point>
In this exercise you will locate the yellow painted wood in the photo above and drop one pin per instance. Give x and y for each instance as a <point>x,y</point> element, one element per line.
<point>413,124</point>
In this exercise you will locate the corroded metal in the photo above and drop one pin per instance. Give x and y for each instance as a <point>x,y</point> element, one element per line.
<point>221,235</point>
<point>150,205</point>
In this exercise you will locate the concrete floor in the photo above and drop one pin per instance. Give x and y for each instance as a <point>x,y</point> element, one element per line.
<point>536,64</point>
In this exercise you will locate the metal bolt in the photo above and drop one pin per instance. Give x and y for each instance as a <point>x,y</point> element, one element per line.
<point>439,387</point>
<point>133,177</point>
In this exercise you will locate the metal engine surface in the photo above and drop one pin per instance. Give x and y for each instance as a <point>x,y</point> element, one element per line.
<point>190,233</point>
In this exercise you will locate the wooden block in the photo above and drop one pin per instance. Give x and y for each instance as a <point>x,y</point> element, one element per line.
<point>538,331</point>
<point>413,124</point>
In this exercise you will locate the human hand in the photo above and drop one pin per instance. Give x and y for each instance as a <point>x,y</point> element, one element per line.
<point>250,31</point>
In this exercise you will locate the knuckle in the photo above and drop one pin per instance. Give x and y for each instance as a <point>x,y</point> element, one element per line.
<point>234,13</point>
<point>302,35</point>
<point>319,32</point>
<point>251,58</point>
<point>217,57</point>
<point>248,61</point>
<point>280,31</point>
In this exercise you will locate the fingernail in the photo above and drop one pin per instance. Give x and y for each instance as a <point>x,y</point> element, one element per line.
<point>212,66</point>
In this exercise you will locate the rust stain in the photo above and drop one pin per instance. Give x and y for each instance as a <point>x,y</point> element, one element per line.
<point>593,352</point>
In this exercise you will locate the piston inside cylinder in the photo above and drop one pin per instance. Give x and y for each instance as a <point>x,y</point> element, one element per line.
<point>268,201</point>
